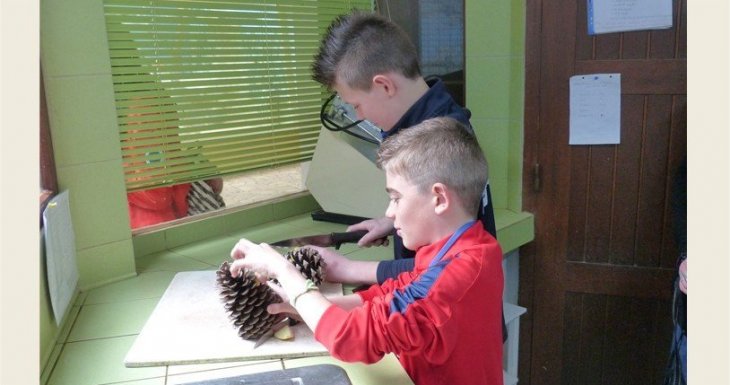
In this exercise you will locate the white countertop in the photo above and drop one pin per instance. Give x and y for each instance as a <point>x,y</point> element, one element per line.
<point>190,326</point>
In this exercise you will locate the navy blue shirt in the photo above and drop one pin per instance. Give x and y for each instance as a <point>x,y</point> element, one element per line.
<point>436,102</point>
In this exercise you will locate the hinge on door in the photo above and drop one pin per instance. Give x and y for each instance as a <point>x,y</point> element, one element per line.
<point>536,182</point>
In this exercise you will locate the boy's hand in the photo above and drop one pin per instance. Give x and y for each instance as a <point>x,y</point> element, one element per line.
<point>340,269</point>
<point>337,265</point>
<point>285,308</point>
<point>261,259</point>
<point>378,230</point>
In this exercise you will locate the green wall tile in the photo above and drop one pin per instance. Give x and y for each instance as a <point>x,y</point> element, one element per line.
<point>98,202</point>
<point>495,90</point>
<point>517,88</point>
<point>73,38</point>
<point>491,35</point>
<point>194,231</point>
<point>488,86</point>
<point>149,243</point>
<point>268,232</point>
<point>291,206</point>
<point>82,114</point>
<point>252,216</point>
<point>105,263</point>
<point>514,165</point>
<point>517,27</point>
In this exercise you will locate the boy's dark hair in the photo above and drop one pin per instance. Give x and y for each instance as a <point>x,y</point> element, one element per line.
<point>358,46</point>
<point>438,150</point>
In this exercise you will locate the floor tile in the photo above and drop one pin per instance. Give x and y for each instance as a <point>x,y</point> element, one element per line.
<point>183,369</point>
<point>97,362</point>
<point>68,325</point>
<point>143,286</point>
<point>386,371</point>
<point>46,372</point>
<point>168,261</point>
<point>223,373</point>
<point>81,298</point>
<point>150,381</point>
<point>112,319</point>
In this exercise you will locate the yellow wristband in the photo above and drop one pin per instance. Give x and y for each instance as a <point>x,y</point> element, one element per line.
<point>308,286</point>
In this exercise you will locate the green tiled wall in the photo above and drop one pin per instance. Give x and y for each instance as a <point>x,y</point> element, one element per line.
<point>79,92</point>
<point>80,97</point>
<point>495,53</point>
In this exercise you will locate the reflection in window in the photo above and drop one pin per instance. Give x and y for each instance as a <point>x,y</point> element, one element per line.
<point>213,89</point>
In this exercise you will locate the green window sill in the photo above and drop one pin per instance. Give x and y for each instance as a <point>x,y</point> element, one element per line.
<point>514,229</point>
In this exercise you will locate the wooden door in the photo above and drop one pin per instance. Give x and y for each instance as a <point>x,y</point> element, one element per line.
<point>597,279</point>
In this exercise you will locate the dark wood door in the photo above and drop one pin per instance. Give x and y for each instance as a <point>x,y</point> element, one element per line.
<point>597,279</point>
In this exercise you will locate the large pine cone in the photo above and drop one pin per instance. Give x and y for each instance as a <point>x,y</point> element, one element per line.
<point>245,299</point>
<point>309,263</point>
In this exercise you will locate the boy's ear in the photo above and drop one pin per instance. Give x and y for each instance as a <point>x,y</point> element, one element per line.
<point>441,197</point>
<point>385,83</point>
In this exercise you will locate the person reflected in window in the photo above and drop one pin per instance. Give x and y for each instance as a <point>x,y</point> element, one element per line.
<point>157,205</point>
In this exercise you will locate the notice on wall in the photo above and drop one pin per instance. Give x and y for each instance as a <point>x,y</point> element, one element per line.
<point>595,109</point>
<point>606,16</point>
<point>61,270</point>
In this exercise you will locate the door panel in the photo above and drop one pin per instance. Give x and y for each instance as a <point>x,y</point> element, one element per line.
<point>597,279</point>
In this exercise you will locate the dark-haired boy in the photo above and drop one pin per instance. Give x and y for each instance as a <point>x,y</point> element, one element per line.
<point>372,65</point>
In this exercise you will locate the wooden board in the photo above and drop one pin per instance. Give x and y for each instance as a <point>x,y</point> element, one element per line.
<point>190,326</point>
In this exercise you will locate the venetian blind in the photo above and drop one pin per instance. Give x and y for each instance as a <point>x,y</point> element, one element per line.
<point>208,88</point>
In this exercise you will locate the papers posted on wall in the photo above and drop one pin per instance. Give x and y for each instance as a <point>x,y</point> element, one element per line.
<point>595,109</point>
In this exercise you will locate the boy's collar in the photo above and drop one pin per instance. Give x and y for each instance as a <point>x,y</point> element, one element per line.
<point>415,114</point>
<point>426,253</point>
<point>436,102</point>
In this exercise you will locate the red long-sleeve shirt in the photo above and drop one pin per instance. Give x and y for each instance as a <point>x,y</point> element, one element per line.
<point>451,333</point>
<point>153,206</point>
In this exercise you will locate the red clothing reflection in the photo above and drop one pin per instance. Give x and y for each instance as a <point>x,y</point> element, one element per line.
<point>162,204</point>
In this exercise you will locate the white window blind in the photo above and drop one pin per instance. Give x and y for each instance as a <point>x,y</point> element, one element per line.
<point>210,88</point>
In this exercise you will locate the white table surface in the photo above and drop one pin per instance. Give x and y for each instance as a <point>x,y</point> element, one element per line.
<point>190,326</point>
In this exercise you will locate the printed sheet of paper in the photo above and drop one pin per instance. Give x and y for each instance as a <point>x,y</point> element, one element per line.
<point>61,270</point>
<point>606,16</point>
<point>595,109</point>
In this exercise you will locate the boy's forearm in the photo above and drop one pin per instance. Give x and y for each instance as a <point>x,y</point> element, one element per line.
<point>311,305</point>
<point>358,272</point>
<point>392,268</point>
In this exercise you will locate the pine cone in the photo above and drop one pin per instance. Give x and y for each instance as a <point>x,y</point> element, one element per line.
<point>245,299</point>
<point>309,263</point>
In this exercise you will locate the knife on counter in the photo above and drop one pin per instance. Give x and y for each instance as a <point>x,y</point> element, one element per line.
<point>323,240</point>
<point>286,321</point>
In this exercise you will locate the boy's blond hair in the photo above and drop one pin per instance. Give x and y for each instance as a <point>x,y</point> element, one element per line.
<point>438,150</point>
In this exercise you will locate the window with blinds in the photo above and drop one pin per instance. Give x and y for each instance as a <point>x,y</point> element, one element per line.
<point>212,88</point>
